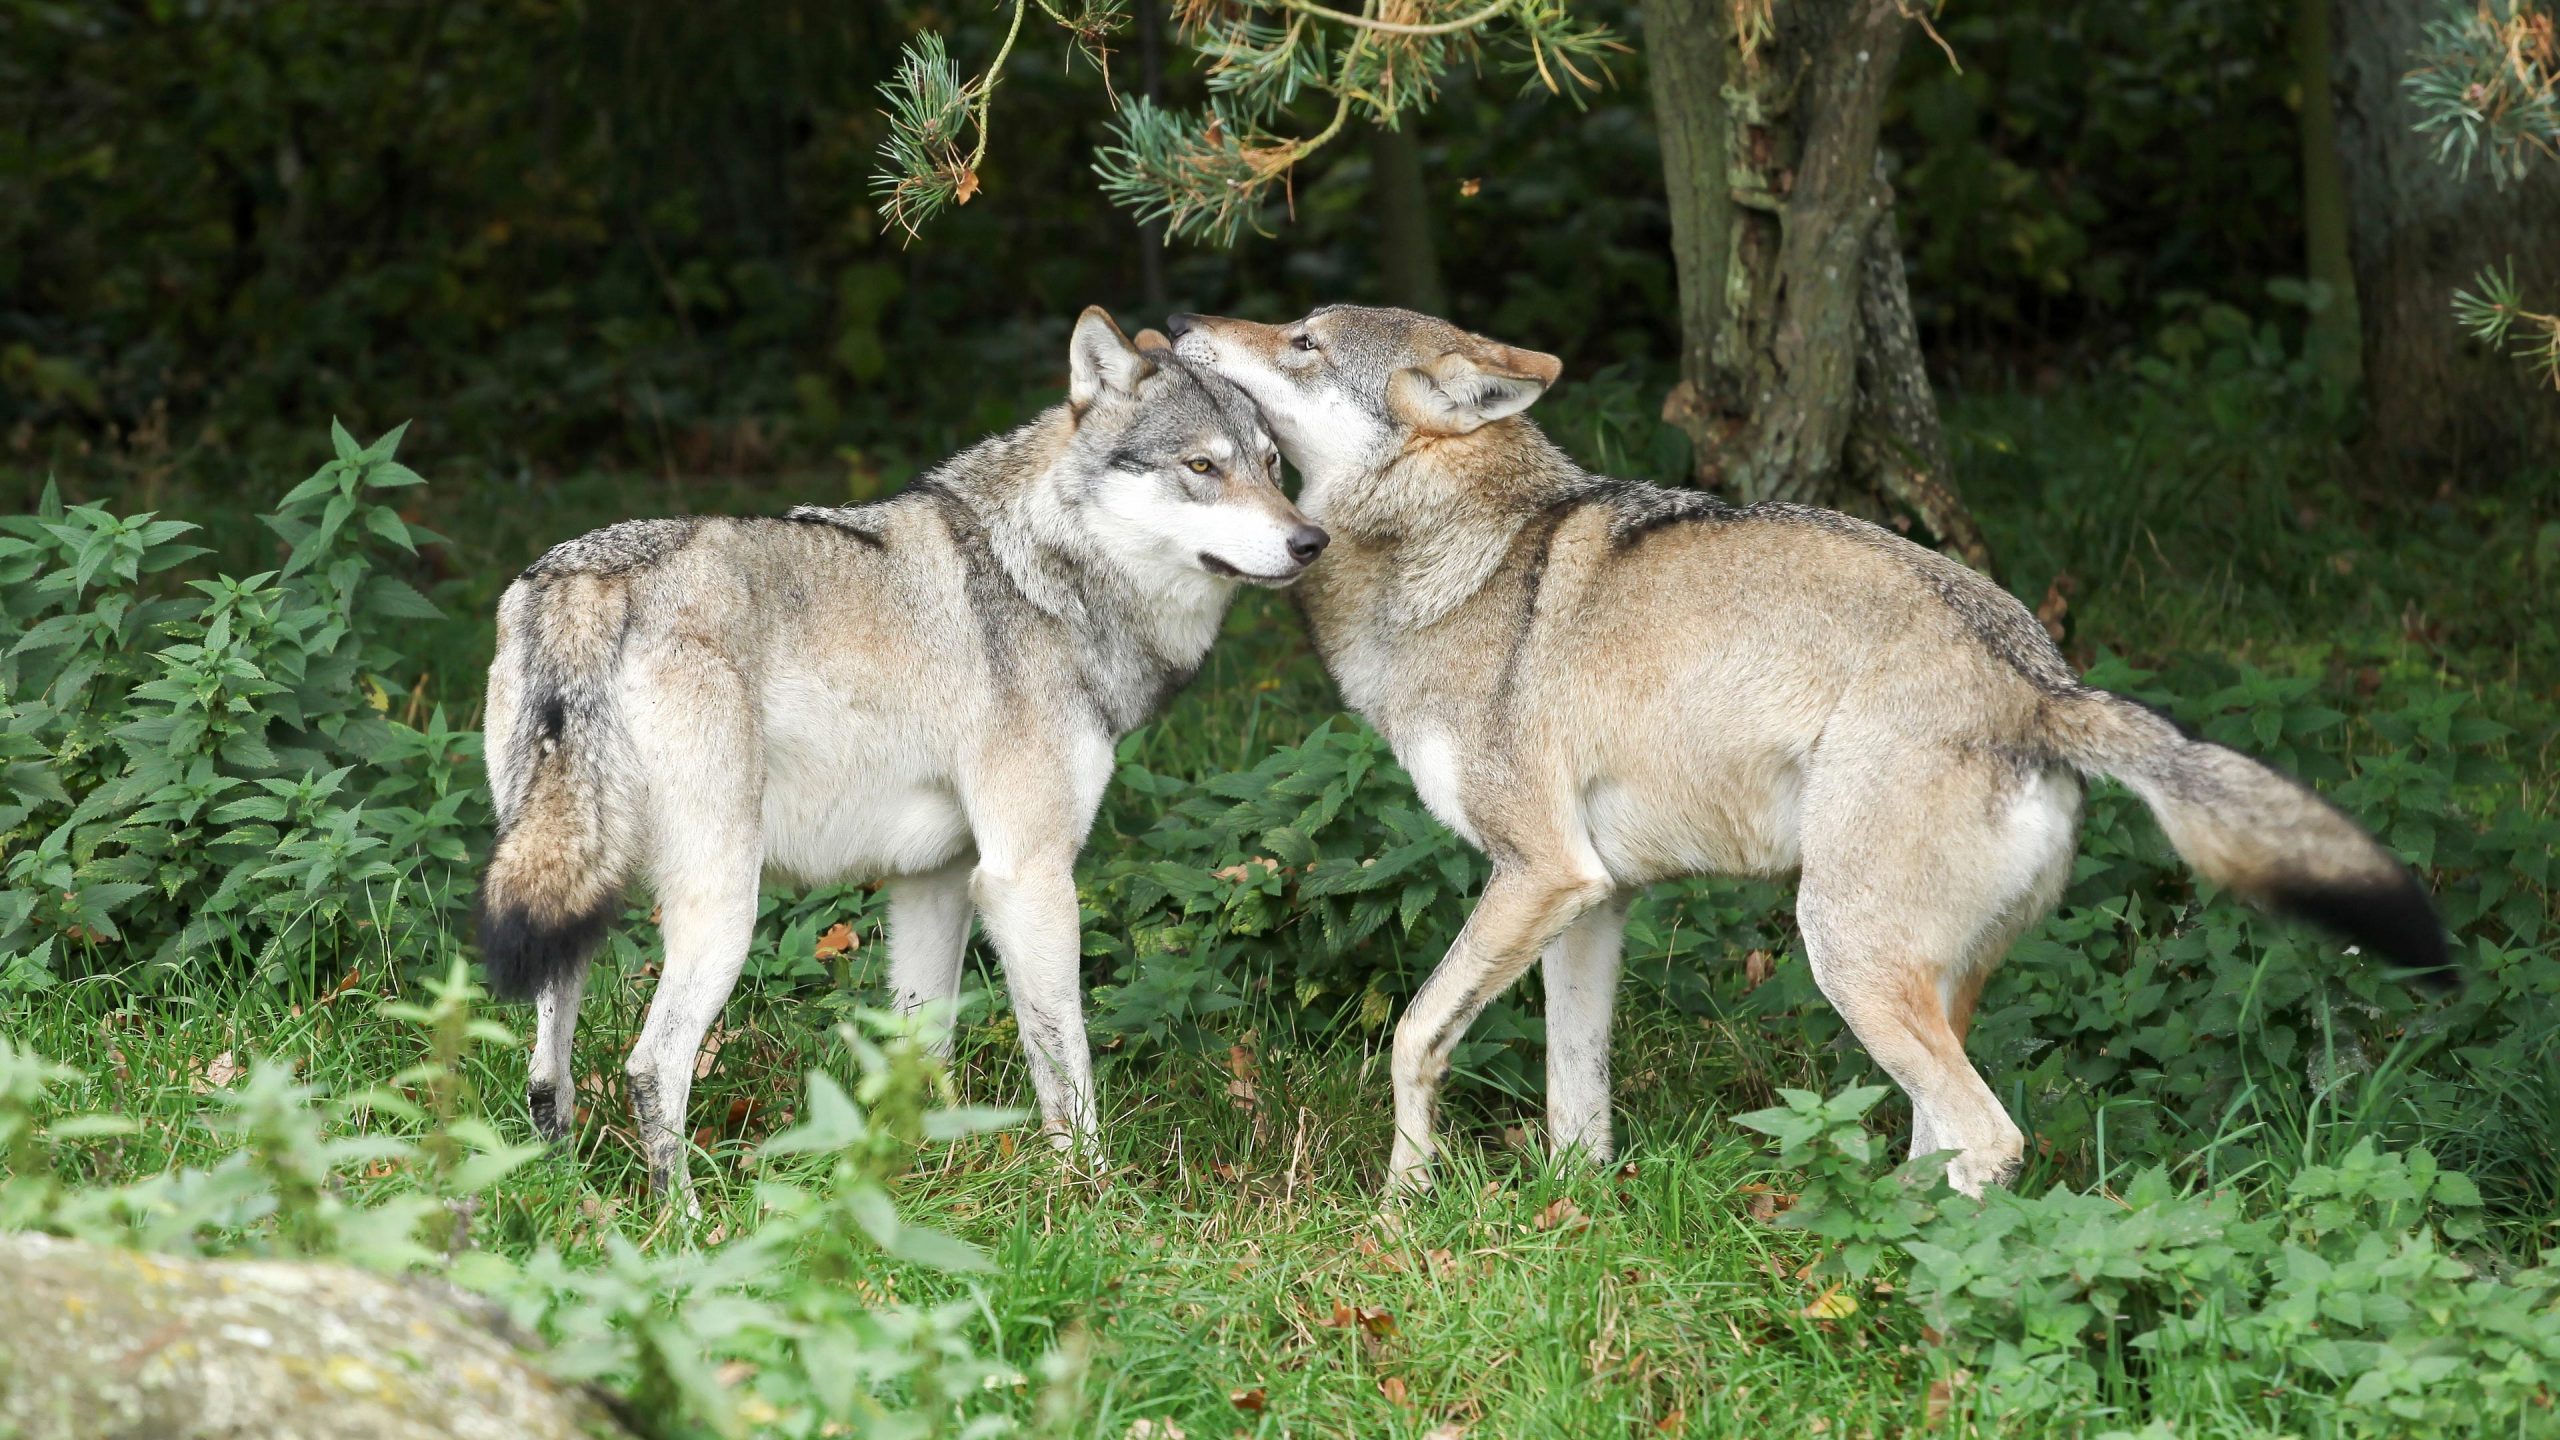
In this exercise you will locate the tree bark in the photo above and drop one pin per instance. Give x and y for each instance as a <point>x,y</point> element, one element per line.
<point>1801,376</point>
<point>99,1344</point>
<point>2333,338</point>
<point>1408,260</point>
<point>2438,403</point>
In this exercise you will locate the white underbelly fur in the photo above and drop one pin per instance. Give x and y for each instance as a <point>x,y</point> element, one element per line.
<point>847,798</point>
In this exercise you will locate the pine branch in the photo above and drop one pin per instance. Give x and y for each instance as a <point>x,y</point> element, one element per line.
<point>2493,312</point>
<point>2488,80</point>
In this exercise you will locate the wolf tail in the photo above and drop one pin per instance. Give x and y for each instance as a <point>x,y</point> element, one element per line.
<point>2262,835</point>
<point>558,770</point>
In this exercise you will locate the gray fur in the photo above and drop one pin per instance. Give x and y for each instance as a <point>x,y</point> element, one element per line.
<point>926,689</point>
<point>1603,684</point>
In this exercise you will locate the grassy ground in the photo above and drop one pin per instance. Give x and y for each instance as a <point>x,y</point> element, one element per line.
<point>1234,1274</point>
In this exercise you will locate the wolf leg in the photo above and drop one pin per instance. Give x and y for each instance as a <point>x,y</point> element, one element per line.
<point>551,1082</point>
<point>1030,913</point>
<point>1581,969</point>
<point>928,936</point>
<point>708,926</point>
<point>1523,908</point>
<point>695,737</point>
<point>1917,875</point>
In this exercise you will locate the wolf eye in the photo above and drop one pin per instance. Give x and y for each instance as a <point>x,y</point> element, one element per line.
<point>1198,466</point>
<point>1304,341</point>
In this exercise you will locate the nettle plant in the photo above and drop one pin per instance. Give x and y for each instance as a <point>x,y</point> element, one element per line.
<point>2346,1292</point>
<point>213,769</point>
<point>768,1333</point>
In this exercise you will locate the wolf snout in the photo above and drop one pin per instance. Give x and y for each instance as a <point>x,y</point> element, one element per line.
<point>1307,542</point>
<point>1179,325</point>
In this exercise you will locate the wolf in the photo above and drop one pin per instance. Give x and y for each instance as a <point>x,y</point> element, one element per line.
<point>925,690</point>
<point>1602,684</point>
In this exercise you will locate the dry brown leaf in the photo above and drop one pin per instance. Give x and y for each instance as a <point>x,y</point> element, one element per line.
<point>1228,1172</point>
<point>2057,604</point>
<point>216,1074</point>
<point>964,190</point>
<point>1242,872</point>
<point>1446,1430</point>
<point>1767,1204</point>
<point>709,1056</point>
<point>1342,1318</point>
<point>1377,1320</point>
<point>1249,1400</point>
<point>1757,967</point>
<point>1241,1091</point>
<point>1439,1260</point>
<point>1394,1389</point>
<point>837,940</point>
<point>1562,1214</point>
<point>1670,1424</point>
<point>1470,188</point>
<point>1154,1430</point>
<point>1943,1393</point>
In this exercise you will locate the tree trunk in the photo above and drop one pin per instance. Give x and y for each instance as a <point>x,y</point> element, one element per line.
<point>1408,261</point>
<point>98,1342</point>
<point>2438,403</point>
<point>2333,339</point>
<point>1800,374</point>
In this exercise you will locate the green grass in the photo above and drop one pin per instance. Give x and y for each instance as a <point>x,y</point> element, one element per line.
<point>1239,1216</point>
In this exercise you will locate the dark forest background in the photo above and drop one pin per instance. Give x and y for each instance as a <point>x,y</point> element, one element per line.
<point>639,234</point>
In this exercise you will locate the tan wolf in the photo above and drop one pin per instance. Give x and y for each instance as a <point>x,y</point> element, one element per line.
<point>926,689</point>
<point>1602,684</point>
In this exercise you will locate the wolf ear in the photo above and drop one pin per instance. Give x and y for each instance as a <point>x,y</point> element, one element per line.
<point>1150,341</point>
<point>1100,359</point>
<point>1466,390</point>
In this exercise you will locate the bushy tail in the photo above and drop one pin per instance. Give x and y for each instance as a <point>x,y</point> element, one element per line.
<point>2260,834</point>
<point>557,873</point>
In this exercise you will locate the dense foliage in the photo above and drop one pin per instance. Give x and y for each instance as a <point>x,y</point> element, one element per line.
<point>522,221</point>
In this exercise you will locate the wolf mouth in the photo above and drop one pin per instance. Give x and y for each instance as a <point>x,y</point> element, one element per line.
<point>1225,571</point>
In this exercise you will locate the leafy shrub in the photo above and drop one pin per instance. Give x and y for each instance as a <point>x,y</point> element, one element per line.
<point>2340,1291</point>
<point>768,1331</point>
<point>215,770</point>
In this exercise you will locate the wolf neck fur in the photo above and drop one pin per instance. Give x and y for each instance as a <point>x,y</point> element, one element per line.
<point>1437,520</point>
<point>1136,635</point>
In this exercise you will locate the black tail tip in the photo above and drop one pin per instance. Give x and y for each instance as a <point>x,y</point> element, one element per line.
<point>523,954</point>
<point>2393,918</point>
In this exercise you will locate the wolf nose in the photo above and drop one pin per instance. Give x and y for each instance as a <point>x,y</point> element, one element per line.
<point>1177,325</point>
<point>1306,543</point>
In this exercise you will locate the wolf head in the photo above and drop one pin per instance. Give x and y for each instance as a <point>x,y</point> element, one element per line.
<point>1179,472</point>
<point>1350,388</point>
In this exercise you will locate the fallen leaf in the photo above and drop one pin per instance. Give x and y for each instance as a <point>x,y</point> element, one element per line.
<point>837,940</point>
<point>1241,1090</point>
<point>1943,1393</point>
<point>1469,189</point>
<point>1342,1318</point>
<point>1446,1430</point>
<point>1817,1426</point>
<point>1154,1430</point>
<point>217,1074</point>
<point>1251,1400</point>
<point>1393,1388</point>
<point>1767,1204</point>
<point>1377,1321</point>
<point>1226,1171</point>
<point>1835,1303</point>
<point>1438,1259</point>
<point>709,1056</point>
<point>1757,967</point>
<point>1005,1145</point>
<point>1671,1423</point>
<point>1562,1214</point>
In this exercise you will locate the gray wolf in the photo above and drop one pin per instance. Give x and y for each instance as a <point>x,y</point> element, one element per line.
<point>924,690</point>
<point>1602,684</point>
